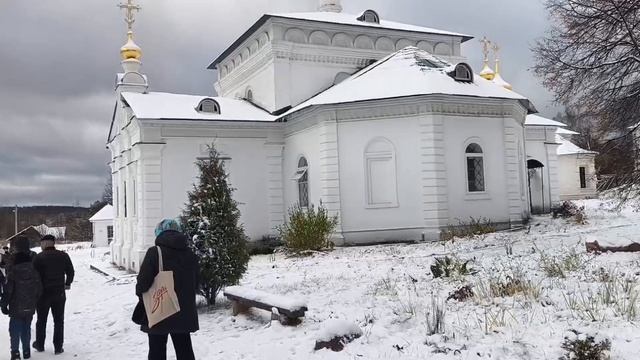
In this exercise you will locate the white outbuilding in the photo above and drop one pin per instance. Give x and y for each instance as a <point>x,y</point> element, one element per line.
<point>577,172</point>
<point>102,224</point>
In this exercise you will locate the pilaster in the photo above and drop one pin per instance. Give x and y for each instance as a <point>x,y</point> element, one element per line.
<point>435,199</point>
<point>330,173</point>
<point>511,168</point>
<point>275,186</point>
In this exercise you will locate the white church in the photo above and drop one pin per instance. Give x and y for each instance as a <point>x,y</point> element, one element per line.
<point>383,123</point>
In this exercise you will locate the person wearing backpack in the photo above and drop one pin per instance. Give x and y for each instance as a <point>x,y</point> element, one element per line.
<point>178,258</point>
<point>20,298</point>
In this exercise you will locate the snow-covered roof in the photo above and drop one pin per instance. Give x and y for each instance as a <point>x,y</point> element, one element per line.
<point>537,120</point>
<point>565,131</point>
<point>157,105</point>
<point>333,18</point>
<point>408,72</point>
<point>568,148</point>
<point>106,213</point>
<point>352,19</point>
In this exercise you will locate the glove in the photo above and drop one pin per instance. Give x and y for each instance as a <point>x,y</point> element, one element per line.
<point>5,310</point>
<point>67,287</point>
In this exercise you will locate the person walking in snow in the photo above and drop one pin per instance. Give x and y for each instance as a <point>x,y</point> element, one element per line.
<point>56,271</point>
<point>177,257</point>
<point>21,293</point>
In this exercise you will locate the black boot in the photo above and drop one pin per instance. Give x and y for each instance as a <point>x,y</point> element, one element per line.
<point>58,351</point>
<point>15,355</point>
<point>26,355</point>
<point>38,347</point>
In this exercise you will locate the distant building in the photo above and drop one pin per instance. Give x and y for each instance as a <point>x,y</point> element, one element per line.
<point>31,233</point>
<point>102,223</point>
<point>577,171</point>
<point>59,232</point>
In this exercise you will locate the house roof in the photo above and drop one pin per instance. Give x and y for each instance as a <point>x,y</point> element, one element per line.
<point>564,131</point>
<point>537,120</point>
<point>106,213</point>
<point>333,18</point>
<point>408,72</point>
<point>568,148</point>
<point>158,105</point>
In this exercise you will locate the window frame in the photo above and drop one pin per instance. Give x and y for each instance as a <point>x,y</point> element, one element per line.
<point>475,195</point>
<point>582,171</point>
<point>372,156</point>
<point>369,12</point>
<point>301,177</point>
<point>208,101</point>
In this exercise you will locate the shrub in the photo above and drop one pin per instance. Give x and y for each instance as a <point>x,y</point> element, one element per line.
<point>211,219</point>
<point>462,294</point>
<point>475,227</point>
<point>579,346</point>
<point>308,229</point>
<point>569,210</point>
<point>517,284</point>
<point>450,267</point>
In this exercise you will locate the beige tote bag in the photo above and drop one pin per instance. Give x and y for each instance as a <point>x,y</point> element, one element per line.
<point>161,300</point>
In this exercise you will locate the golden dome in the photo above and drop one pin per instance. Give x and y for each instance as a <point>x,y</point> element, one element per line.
<point>487,72</point>
<point>130,50</point>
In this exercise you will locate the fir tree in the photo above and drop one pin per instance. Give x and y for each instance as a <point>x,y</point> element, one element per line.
<point>211,220</point>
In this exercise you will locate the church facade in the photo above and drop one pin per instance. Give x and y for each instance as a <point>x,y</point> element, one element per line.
<point>381,122</point>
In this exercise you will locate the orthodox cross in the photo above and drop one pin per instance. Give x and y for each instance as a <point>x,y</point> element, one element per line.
<point>486,47</point>
<point>130,7</point>
<point>496,49</point>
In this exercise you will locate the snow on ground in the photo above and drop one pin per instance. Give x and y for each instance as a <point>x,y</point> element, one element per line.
<point>388,290</point>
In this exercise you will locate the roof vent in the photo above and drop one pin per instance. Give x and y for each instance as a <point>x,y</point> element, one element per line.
<point>330,6</point>
<point>462,73</point>
<point>370,16</point>
<point>208,105</point>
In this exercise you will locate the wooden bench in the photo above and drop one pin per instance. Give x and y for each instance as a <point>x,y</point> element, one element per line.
<point>284,309</point>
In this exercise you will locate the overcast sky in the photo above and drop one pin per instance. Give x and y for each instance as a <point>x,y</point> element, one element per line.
<point>58,61</point>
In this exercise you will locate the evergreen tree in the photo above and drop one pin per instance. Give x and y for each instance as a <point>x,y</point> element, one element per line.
<point>211,221</point>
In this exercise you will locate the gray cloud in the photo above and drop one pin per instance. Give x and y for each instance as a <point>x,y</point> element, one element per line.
<point>58,61</point>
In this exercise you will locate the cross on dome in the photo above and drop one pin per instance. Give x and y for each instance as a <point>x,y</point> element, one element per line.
<point>130,7</point>
<point>486,72</point>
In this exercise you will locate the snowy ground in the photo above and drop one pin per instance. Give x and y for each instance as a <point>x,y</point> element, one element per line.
<point>387,291</point>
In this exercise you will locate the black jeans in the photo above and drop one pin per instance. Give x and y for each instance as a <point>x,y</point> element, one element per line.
<point>181,342</point>
<point>55,301</point>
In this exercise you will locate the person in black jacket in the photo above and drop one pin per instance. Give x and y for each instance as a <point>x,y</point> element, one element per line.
<point>22,291</point>
<point>177,257</point>
<point>56,271</point>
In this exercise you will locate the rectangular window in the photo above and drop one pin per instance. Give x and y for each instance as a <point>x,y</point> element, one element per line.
<point>475,174</point>
<point>583,177</point>
<point>134,198</point>
<point>109,234</point>
<point>116,200</point>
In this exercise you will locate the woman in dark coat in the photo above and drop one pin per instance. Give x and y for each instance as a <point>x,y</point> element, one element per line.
<point>177,257</point>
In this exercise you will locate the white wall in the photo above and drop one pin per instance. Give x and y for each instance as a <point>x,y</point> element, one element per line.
<point>488,133</point>
<point>100,233</point>
<point>248,174</point>
<point>569,170</point>
<point>405,217</point>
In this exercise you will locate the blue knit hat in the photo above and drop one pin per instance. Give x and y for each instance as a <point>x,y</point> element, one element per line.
<point>166,225</point>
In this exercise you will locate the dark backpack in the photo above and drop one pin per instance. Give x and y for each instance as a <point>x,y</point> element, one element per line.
<point>23,289</point>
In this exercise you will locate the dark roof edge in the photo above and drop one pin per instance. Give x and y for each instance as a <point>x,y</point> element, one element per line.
<point>266,17</point>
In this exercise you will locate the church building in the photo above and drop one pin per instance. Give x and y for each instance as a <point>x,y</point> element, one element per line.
<point>383,123</point>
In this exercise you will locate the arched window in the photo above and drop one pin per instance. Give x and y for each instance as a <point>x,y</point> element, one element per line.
<point>302,179</point>
<point>462,73</point>
<point>208,106</point>
<point>370,16</point>
<point>475,168</point>
<point>380,167</point>
<point>249,95</point>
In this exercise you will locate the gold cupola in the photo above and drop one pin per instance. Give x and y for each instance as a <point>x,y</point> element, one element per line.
<point>131,50</point>
<point>497,79</point>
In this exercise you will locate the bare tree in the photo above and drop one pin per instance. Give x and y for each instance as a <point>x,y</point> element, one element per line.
<point>107,194</point>
<point>590,59</point>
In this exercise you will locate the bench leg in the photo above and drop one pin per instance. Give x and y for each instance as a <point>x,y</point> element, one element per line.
<point>238,308</point>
